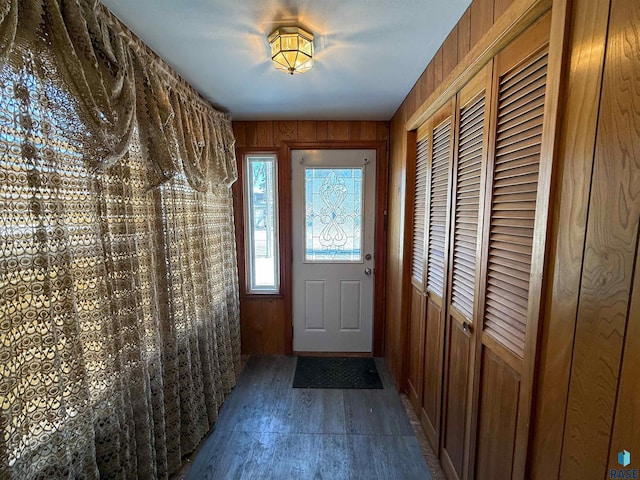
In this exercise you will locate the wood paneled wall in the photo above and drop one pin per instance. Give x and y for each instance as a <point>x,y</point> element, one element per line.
<point>473,24</point>
<point>588,406</point>
<point>263,318</point>
<point>586,395</point>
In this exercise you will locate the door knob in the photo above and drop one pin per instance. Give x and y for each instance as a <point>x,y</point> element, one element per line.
<point>466,327</point>
<point>368,271</point>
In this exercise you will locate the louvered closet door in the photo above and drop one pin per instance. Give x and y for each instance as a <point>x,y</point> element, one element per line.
<point>416,316</point>
<point>507,341</point>
<point>440,130</point>
<point>470,155</point>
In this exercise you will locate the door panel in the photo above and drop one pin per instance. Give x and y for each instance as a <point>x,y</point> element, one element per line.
<point>505,345</point>
<point>417,313</point>
<point>333,212</point>
<point>466,242</point>
<point>416,347</point>
<point>439,131</point>
<point>457,390</point>
<point>430,412</point>
<point>499,391</point>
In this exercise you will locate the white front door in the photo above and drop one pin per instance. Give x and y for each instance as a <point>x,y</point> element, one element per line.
<point>333,217</point>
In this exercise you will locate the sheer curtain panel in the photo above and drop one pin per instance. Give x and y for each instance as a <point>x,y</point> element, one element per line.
<point>119,321</point>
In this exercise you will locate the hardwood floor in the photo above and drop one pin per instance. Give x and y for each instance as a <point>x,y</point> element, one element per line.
<point>268,430</point>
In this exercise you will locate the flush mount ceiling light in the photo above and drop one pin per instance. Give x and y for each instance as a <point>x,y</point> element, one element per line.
<point>291,49</point>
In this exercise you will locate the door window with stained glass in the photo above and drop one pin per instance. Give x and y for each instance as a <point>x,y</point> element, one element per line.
<point>333,214</point>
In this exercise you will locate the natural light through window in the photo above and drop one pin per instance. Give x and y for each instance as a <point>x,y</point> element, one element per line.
<point>261,220</point>
<point>333,214</point>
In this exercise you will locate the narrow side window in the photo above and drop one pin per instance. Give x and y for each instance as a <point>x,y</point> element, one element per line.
<point>261,224</point>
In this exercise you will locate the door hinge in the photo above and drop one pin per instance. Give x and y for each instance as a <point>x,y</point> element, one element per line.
<point>386,221</point>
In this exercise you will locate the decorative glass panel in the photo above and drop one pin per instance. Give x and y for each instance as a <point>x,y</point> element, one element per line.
<point>333,214</point>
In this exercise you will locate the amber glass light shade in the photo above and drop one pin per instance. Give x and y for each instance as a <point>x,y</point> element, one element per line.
<point>291,49</point>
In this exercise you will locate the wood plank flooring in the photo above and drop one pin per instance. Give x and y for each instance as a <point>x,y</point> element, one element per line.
<point>268,430</point>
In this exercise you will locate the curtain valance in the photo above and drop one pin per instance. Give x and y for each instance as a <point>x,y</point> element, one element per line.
<point>120,85</point>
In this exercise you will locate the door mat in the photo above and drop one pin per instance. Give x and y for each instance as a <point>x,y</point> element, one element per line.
<point>336,372</point>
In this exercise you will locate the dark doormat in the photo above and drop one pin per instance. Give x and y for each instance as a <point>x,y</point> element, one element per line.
<point>338,372</point>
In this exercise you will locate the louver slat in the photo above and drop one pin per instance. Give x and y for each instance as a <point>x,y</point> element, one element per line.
<point>465,235</point>
<point>513,202</point>
<point>438,206</point>
<point>419,212</point>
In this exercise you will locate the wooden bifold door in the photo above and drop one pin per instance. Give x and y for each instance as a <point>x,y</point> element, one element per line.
<point>479,223</point>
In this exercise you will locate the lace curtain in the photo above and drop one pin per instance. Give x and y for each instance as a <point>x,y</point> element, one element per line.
<point>119,329</point>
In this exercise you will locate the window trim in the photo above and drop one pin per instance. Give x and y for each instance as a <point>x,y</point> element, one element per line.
<point>250,289</point>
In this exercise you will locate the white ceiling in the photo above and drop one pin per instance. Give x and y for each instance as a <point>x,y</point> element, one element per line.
<point>369,53</point>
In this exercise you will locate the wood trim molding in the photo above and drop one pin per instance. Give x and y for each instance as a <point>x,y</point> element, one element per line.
<point>382,172</point>
<point>515,20</point>
<point>407,282</point>
<point>556,70</point>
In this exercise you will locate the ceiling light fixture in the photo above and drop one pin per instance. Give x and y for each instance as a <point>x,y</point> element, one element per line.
<point>291,49</point>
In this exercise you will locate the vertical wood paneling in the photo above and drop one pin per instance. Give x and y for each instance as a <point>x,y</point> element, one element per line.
<point>322,131</point>
<point>449,53</point>
<point>261,326</point>
<point>612,236</point>
<point>626,429</point>
<point>411,101</point>
<point>307,131</point>
<point>481,19</point>
<point>354,130</point>
<point>438,72</point>
<point>240,133</point>
<point>426,83</point>
<point>382,131</point>
<point>265,133</point>
<point>464,34</point>
<point>575,163</point>
<point>283,131</point>
<point>251,134</point>
<point>338,131</point>
<point>368,131</point>
<point>499,7</point>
